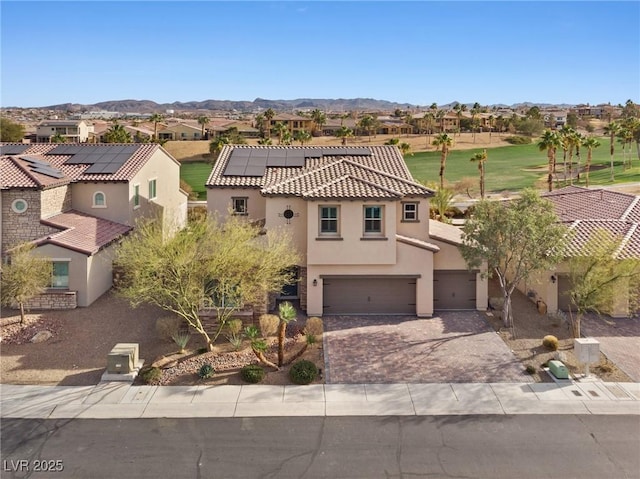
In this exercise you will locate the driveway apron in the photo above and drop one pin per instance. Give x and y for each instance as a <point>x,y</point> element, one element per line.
<point>452,347</point>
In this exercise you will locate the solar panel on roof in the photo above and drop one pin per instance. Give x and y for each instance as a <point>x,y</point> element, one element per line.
<point>241,153</point>
<point>277,154</point>
<point>254,171</point>
<point>313,153</point>
<point>358,151</point>
<point>231,170</point>
<point>95,169</point>
<point>295,158</point>
<point>111,168</point>
<point>257,161</point>
<point>334,151</point>
<point>260,153</point>
<point>52,172</point>
<point>34,161</point>
<point>13,149</point>
<point>277,161</point>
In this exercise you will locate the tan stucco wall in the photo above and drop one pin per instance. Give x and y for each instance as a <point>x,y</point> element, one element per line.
<point>77,268</point>
<point>351,249</point>
<point>219,201</point>
<point>99,274</point>
<point>116,200</point>
<point>411,261</point>
<point>297,226</point>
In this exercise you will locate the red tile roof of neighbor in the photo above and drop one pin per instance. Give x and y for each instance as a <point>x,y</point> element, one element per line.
<point>82,232</point>
<point>587,210</point>
<point>381,175</point>
<point>15,174</point>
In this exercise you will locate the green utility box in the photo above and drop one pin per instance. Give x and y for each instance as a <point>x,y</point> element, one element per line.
<point>558,369</point>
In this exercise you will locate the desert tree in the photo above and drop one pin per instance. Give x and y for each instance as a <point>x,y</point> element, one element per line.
<point>10,131</point>
<point>210,263</point>
<point>611,130</point>
<point>444,142</point>
<point>589,143</point>
<point>155,119</point>
<point>319,119</point>
<point>203,121</point>
<point>368,124</point>
<point>516,239</point>
<point>550,142</point>
<point>216,145</point>
<point>303,136</point>
<point>599,277</point>
<point>344,133</point>
<point>24,277</point>
<point>480,158</point>
<point>58,138</point>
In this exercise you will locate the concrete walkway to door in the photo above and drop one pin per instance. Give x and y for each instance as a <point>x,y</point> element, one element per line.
<point>452,347</point>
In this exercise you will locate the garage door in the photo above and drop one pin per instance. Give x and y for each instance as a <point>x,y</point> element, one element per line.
<point>369,295</point>
<point>454,290</point>
<point>564,289</point>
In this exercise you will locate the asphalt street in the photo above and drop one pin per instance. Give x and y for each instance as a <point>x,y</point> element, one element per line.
<point>475,446</point>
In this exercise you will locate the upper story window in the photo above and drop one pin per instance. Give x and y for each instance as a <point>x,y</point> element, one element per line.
<point>329,220</point>
<point>136,196</point>
<point>152,189</point>
<point>99,200</point>
<point>19,205</point>
<point>239,205</point>
<point>373,220</point>
<point>410,211</point>
<point>60,274</point>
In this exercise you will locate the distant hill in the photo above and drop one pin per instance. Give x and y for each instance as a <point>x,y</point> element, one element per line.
<point>339,104</point>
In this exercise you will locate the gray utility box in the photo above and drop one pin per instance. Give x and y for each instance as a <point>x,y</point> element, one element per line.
<point>587,350</point>
<point>123,358</point>
<point>558,369</point>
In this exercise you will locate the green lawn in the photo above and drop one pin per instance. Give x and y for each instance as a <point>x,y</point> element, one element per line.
<point>512,168</point>
<point>196,174</point>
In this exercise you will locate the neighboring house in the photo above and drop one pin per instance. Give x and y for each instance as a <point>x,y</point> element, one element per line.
<point>76,201</point>
<point>360,222</point>
<point>180,131</point>
<point>74,131</point>
<point>294,123</point>
<point>584,211</point>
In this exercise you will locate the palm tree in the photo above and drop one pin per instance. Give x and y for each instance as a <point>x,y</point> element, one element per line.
<point>474,119</point>
<point>612,130</point>
<point>344,133</point>
<point>367,123</point>
<point>319,119</point>
<point>268,115</point>
<point>405,148</point>
<point>443,141</point>
<point>576,141</point>
<point>265,141</point>
<point>281,129</point>
<point>551,142</point>
<point>117,134</point>
<point>458,108</point>
<point>440,114</point>
<point>156,118</point>
<point>202,121</point>
<point>589,143</point>
<point>441,203</point>
<point>481,158</point>
<point>492,119</point>
<point>259,123</point>
<point>58,138</point>
<point>303,136</point>
<point>287,314</point>
<point>408,119</point>
<point>565,140</point>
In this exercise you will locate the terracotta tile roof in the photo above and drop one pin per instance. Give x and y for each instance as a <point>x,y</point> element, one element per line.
<point>82,232</point>
<point>384,174</point>
<point>444,232</point>
<point>585,211</point>
<point>17,172</point>
<point>417,243</point>
<point>73,173</point>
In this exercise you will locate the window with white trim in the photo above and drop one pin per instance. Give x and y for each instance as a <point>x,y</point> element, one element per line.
<point>373,220</point>
<point>136,196</point>
<point>240,205</point>
<point>99,200</point>
<point>60,274</point>
<point>329,220</point>
<point>152,189</point>
<point>19,205</point>
<point>410,211</point>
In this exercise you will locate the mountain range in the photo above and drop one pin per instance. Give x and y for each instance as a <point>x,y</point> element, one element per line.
<point>340,104</point>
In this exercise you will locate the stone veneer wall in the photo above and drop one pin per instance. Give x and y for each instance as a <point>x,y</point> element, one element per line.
<point>21,227</point>
<point>302,288</point>
<point>55,200</point>
<point>53,300</point>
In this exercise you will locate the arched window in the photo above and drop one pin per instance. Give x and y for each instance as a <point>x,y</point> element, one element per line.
<point>99,200</point>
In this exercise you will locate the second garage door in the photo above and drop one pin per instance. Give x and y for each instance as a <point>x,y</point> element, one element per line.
<point>369,295</point>
<point>454,290</point>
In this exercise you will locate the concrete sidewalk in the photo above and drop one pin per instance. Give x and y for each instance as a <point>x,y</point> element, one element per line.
<point>121,400</point>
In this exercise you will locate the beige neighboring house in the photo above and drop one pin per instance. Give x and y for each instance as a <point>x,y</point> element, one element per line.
<point>294,123</point>
<point>360,222</point>
<point>180,132</point>
<point>76,201</point>
<point>74,131</point>
<point>584,211</point>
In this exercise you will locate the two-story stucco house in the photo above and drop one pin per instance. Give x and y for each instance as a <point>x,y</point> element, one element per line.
<point>73,131</point>
<point>75,201</point>
<point>360,222</point>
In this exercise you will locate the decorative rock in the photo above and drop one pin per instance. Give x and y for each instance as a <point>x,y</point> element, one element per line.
<point>42,336</point>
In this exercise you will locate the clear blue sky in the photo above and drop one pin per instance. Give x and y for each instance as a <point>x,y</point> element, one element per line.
<point>410,52</point>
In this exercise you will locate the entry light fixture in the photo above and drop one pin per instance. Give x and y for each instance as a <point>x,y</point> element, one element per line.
<point>315,282</point>
<point>553,278</point>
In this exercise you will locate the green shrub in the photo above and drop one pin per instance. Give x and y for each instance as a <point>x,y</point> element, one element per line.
<point>181,340</point>
<point>303,372</point>
<point>518,140</point>
<point>151,375</point>
<point>234,326</point>
<point>206,371</point>
<point>252,373</point>
<point>550,342</point>
<point>314,326</point>
<point>235,333</point>
<point>202,350</point>
<point>530,369</point>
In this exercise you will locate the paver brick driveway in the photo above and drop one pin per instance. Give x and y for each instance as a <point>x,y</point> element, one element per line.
<point>448,348</point>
